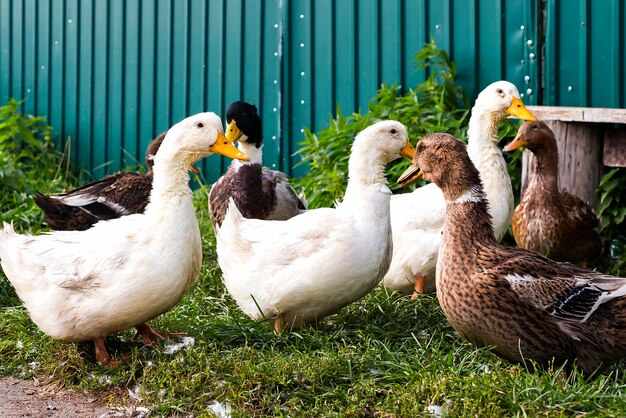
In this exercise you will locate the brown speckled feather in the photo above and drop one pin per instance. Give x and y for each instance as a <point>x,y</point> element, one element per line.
<point>552,222</point>
<point>525,305</point>
<point>116,195</point>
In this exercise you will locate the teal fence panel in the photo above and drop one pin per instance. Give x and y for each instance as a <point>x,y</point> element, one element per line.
<point>584,60</point>
<point>112,75</point>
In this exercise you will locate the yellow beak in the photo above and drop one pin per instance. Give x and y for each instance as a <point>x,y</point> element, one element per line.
<point>232,131</point>
<point>518,110</point>
<point>516,143</point>
<point>407,151</point>
<point>225,147</point>
<point>410,176</point>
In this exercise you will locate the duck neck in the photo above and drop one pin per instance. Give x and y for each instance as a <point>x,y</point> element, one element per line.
<point>366,170</point>
<point>484,152</point>
<point>467,225</point>
<point>255,154</point>
<point>483,139</point>
<point>546,171</point>
<point>170,183</point>
<point>471,206</point>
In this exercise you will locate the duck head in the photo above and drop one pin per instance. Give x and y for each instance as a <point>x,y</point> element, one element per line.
<point>536,136</point>
<point>501,99</point>
<point>388,139</point>
<point>153,148</point>
<point>243,123</point>
<point>196,137</point>
<point>442,159</point>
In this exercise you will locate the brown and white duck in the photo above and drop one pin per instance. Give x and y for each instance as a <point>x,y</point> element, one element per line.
<point>258,192</point>
<point>525,305</point>
<point>552,222</point>
<point>119,194</point>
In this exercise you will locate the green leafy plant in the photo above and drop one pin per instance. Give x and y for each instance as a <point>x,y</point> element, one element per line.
<point>611,210</point>
<point>29,162</point>
<point>436,105</point>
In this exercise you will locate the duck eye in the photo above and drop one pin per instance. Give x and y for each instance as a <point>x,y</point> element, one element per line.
<point>499,91</point>
<point>393,132</point>
<point>200,125</point>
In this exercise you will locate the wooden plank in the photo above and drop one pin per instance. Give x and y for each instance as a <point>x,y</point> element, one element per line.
<point>615,148</point>
<point>579,114</point>
<point>580,158</point>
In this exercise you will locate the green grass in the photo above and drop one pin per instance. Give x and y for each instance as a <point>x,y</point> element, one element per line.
<point>385,354</point>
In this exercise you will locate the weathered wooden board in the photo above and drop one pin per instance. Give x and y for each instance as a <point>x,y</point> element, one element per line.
<point>579,114</point>
<point>615,148</point>
<point>580,158</point>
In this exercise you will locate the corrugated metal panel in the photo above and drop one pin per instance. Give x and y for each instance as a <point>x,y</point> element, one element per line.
<point>353,46</point>
<point>111,75</point>
<point>585,53</point>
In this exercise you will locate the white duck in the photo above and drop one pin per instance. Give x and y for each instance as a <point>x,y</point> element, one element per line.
<point>299,270</point>
<point>85,285</point>
<point>417,218</point>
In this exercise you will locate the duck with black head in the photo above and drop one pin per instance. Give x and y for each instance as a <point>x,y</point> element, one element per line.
<point>258,192</point>
<point>525,305</point>
<point>552,222</point>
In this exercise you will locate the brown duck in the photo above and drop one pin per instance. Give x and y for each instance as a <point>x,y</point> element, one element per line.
<point>552,222</point>
<point>258,192</point>
<point>118,194</point>
<point>525,305</point>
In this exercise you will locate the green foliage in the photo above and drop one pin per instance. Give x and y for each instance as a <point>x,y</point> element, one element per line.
<point>435,105</point>
<point>29,163</point>
<point>611,210</point>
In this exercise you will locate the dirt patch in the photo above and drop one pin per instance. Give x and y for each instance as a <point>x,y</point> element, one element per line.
<point>32,398</point>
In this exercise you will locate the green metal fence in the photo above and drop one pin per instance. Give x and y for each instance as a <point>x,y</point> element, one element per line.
<point>112,74</point>
<point>584,53</point>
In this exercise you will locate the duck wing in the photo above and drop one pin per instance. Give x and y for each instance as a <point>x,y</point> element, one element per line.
<point>568,293</point>
<point>259,193</point>
<point>280,243</point>
<point>583,240</point>
<point>119,194</point>
<point>70,260</point>
<point>288,204</point>
<point>578,211</point>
